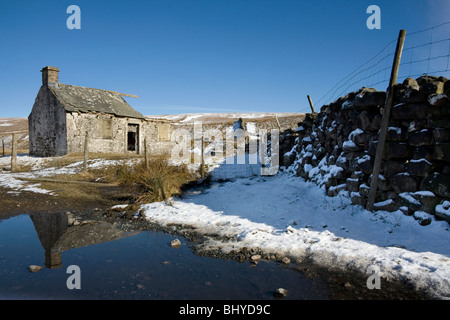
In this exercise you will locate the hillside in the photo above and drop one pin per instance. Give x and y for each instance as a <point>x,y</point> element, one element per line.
<point>225,117</point>
<point>8,126</point>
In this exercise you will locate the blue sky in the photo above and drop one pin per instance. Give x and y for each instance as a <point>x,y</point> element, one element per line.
<point>189,56</point>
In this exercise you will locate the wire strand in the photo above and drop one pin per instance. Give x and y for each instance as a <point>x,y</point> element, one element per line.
<point>373,74</point>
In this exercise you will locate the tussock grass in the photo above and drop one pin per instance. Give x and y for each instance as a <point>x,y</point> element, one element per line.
<point>154,181</point>
<point>23,168</point>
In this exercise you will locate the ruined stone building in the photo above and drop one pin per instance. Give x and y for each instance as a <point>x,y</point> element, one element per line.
<point>63,114</point>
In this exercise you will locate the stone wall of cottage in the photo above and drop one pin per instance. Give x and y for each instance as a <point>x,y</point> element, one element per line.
<point>47,126</point>
<point>108,134</point>
<point>80,124</point>
<point>336,148</point>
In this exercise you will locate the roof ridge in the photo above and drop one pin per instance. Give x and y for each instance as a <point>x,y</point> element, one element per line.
<point>84,99</point>
<point>110,91</point>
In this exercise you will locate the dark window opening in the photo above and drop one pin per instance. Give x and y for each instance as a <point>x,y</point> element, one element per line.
<point>133,138</point>
<point>131,141</point>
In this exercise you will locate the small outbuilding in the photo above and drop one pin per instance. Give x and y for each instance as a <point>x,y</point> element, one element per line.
<point>63,115</point>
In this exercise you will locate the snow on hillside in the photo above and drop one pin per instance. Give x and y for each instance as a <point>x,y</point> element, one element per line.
<point>8,126</point>
<point>220,117</point>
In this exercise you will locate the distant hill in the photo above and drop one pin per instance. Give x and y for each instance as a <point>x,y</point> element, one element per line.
<point>8,126</point>
<point>225,117</point>
<point>262,120</point>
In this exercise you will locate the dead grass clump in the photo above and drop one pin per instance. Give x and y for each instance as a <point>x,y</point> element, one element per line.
<point>155,181</point>
<point>23,168</point>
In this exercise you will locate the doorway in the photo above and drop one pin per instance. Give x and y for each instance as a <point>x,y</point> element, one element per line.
<point>133,138</point>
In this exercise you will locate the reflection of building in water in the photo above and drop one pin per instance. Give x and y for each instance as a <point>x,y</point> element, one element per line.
<point>60,232</point>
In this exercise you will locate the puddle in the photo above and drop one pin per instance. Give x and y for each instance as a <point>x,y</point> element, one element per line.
<point>129,265</point>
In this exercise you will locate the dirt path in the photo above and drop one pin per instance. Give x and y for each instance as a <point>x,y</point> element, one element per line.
<point>70,197</point>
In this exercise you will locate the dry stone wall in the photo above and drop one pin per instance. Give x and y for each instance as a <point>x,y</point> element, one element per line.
<point>336,148</point>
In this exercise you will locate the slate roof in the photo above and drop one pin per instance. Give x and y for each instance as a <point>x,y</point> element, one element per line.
<point>82,99</point>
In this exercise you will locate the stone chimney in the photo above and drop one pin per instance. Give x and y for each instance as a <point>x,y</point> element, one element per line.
<point>50,76</point>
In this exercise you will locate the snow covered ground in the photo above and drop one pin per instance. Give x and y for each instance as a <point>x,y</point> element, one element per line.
<point>286,214</point>
<point>40,168</point>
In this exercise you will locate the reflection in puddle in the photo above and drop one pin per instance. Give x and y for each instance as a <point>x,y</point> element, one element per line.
<point>121,265</point>
<point>62,231</point>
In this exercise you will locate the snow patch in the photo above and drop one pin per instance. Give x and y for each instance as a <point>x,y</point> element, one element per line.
<point>444,208</point>
<point>265,222</point>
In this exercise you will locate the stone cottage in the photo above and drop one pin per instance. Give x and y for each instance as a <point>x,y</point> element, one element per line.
<point>63,114</point>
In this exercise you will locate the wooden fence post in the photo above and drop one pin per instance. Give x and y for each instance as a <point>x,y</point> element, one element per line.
<point>202,164</point>
<point>311,104</point>
<point>14,152</point>
<point>385,121</point>
<point>86,151</point>
<point>3,145</point>
<point>145,153</point>
<point>278,123</point>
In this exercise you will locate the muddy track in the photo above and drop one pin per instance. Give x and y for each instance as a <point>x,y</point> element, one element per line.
<point>343,285</point>
<point>94,198</point>
<point>97,205</point>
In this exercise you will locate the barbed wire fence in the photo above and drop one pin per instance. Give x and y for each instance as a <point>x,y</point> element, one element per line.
<point>426,52</point>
